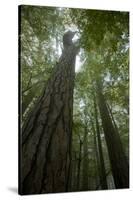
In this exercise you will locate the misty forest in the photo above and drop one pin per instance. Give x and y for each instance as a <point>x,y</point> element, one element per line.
<point>74,99</point>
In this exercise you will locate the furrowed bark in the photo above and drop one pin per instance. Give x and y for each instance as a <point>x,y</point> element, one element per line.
<point>46,136</point>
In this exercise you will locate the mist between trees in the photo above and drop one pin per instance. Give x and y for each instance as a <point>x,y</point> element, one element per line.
<point>74,123</point>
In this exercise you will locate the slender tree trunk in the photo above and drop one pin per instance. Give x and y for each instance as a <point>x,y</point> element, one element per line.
<point>103,180</point>
<point>71,177</point>
<point>25,103</point>
<point>74,173</point>
<point>85,161</point>
<point>79,165</point>
<point>118,160</point>
<point>97,162</point>
<point>112,117</point>
<point>46,136</point>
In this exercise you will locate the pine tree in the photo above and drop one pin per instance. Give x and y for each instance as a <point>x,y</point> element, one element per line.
<point>46,135</point>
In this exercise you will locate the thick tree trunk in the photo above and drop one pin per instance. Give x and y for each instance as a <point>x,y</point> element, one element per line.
<point>103,180</point>
<point>118,160</point>
<point>46,136</point>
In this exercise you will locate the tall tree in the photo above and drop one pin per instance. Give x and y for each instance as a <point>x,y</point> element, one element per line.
<point>118,160</point>
<point>79,163</point>
<point>102,169</point>
<point>46,135</point>
<point>46,99</point>
<point>85,168</point>
<point>85,156</point>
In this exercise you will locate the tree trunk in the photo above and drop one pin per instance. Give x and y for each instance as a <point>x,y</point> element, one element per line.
<point>103,180</point>
<point>79,165</point>
<point>74,172</point>
<point>118,160</point>
<point>97,161</point>
<point>46,136</point>
<point>112,117</point>
<point>85,161</point>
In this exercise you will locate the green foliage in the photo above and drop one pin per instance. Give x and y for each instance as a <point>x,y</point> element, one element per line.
<point>39,39</point>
